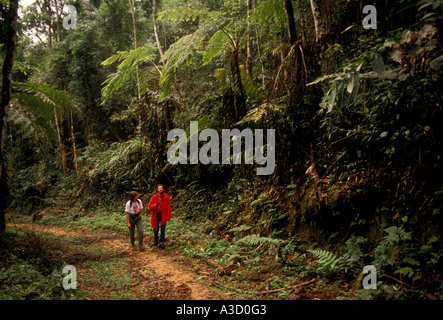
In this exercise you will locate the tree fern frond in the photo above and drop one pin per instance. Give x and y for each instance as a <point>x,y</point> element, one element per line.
<point>24,122</point>
<point>216,45</point>
<point>220,76</point>
<point>126,70</point>
<point>47,94</point>
<point>186,14</point>
<point>183,49</point>
<point>251,89</point>
<point>269,10</point>
<point>33,109</point>
<point>261,112</point>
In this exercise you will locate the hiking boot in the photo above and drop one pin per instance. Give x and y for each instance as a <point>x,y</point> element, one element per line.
<point>161,245</point>
<point>155,243</point>
<point>133,246</point>
<point>141,248</point>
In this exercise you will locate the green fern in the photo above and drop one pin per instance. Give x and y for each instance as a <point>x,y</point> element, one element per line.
<point>261,112</point>
<point>391,249</point>
<point>243,227</point>
<point>220,75</point>
<point>256,239</point>
<point>326,259</point>
<point>183,49</point>
<point>126,70</point>
<point>218,44</point>
<point>269,10</point>
<point>353,247</point>
<point>33,107</point>
<point>186,14</point>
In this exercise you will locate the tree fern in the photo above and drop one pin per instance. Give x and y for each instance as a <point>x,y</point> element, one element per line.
<point>187,14</point>
<point>180,51</point>
<point>33,109</point>
<point>218,44</point>
<point>261,112</point>
<point>126,70</point>
<point>132,159</point>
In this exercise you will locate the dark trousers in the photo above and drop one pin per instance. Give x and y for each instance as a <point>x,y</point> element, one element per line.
<point>162,229</point>
<point>139,225</point>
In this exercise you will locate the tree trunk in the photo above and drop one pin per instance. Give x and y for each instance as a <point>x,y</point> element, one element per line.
<point>132,6</point>
<point>47,6</point>
<point>289,9</point>
<point>57,21</point>
<point>9,48</point>
<point>160,50</point>
<point>248,66</point>
<point>318,22</point>
<point>60,142</point>
<point>74,150</point>
<point>239,91</point>
<point>296,79</point>
<point>259,51</point>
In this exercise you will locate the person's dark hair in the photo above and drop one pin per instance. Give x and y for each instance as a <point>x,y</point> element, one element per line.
<point>160,185</point>
<point>132,195</point>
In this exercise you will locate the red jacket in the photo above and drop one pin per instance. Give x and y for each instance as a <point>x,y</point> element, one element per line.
<point>166,209</point>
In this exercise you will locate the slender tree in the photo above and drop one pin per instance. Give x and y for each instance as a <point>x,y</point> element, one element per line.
<point>10,44</point>
<point>318,21</point>
<point>154,24</point>
<point>296,86</point>
<point>132,6</point>
<point>289,9</point>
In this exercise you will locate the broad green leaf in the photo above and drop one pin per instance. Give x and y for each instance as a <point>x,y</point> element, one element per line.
<point>377,63</point>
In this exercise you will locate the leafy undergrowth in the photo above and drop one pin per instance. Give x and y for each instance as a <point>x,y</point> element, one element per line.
<point>262,242</point>
<point>251,267</point>
<point>240,263</point>
<point>33,261</point>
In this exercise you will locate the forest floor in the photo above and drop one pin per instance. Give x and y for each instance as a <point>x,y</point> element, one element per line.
<point>156,271</point>
<point>108,268</point>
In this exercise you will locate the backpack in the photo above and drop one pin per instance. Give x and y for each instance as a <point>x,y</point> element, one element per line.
<point>135,216</point>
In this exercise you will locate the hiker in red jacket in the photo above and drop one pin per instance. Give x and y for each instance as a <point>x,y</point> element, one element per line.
<point>160,208</point>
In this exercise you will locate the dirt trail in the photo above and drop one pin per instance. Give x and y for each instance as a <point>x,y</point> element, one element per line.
<point>154,267</point>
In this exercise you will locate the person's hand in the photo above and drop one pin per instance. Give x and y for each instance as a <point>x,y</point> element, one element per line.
<point>129,224</point>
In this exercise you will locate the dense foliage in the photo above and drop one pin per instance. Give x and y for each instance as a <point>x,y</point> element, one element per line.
<point>357,114</point>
